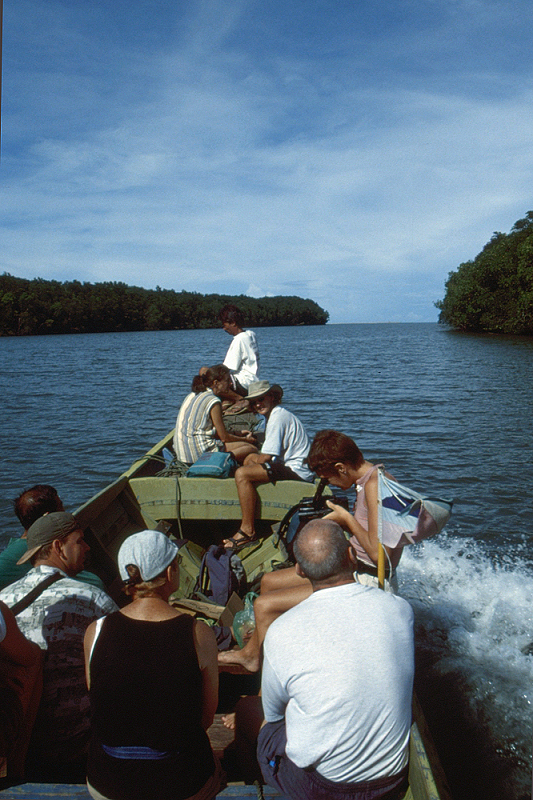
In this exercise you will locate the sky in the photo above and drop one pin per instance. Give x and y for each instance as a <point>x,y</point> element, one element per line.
<point>350,152</point>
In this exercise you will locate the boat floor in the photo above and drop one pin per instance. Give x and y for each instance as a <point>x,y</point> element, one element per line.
<point>220,737</point>
<point>41,791</point>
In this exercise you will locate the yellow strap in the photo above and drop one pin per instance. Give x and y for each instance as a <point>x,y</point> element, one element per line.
<point>381,566</point>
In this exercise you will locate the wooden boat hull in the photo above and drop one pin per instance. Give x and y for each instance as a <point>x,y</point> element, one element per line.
<point>202,509</point>
<point>191,508</point>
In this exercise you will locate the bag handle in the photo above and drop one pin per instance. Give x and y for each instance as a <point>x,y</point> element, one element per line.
<point>28,599</point>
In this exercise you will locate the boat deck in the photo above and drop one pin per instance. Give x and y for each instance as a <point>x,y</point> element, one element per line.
<point>41,791</point>
<point>423,785</point>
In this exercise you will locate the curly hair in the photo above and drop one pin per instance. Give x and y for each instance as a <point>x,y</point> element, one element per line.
<point>330,447</point>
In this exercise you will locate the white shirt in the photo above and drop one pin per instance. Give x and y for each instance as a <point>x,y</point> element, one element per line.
<point>287,439</point>
<point>242,358</point>
<point>339,668</point>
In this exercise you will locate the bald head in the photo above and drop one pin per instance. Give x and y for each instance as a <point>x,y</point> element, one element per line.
<point>323,553</point>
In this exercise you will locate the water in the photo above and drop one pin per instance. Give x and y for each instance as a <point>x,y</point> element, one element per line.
<point>446,412</point>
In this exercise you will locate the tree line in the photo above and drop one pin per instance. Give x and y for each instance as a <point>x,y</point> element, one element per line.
<point>494,292</point>
<point>30,307</point>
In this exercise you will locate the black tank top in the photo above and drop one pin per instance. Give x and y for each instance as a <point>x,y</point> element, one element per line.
<point>146,692</point>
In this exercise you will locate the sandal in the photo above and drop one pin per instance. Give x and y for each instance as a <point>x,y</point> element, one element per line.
<point>244,540</point>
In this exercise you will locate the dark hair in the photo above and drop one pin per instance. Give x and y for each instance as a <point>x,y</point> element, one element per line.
<point>204,381</point>
<point>197,384</point>
<point>321,550</point>
<point>232,314</point>
<point>136,587</point>
<point>32,504</point>
<point>328,448</point>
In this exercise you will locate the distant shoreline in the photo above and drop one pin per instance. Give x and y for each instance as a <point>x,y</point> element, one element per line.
<point>38,307</point>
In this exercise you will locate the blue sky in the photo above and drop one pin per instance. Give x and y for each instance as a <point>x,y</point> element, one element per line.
<point>351,152</point>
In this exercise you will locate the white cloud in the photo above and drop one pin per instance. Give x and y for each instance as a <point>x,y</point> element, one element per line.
<point>240,174</point>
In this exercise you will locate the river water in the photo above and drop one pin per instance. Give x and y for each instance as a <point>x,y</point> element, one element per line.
<point>448,413</point>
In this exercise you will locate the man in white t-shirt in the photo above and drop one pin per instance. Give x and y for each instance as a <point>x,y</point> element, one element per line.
<point>242,357</point>
<point>337,682</point>
<point>282,456</point>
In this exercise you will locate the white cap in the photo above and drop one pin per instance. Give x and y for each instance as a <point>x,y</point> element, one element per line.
<point>150,551</point>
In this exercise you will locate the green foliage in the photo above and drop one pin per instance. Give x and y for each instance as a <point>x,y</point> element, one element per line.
<point>494,292</point>
<point>29,307</point>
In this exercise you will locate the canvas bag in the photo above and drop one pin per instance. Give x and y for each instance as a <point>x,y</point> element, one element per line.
<point>191,555</point>
<point>212,465</point>
<point>405,516</point>
<point>221,574</point>
<point>264,555</point>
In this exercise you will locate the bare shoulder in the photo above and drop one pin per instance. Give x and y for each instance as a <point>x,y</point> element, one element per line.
<point>205,643</point>
<point>203,633</point>
<point>89,634</point>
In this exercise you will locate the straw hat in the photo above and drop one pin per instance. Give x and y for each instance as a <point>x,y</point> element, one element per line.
<point>260,388</point>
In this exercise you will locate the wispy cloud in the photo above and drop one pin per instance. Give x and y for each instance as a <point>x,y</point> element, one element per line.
<point>261,166</point>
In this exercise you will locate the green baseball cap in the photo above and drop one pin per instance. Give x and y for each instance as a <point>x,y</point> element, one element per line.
<point>44,530</point>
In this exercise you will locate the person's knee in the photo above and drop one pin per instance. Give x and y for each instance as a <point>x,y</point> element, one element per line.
<point>261,605</point>
<point>246,473</point>
<point>241,475</point>
<point>269,582</point>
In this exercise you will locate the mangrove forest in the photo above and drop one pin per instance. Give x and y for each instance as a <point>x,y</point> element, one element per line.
<point>494,292</point>
<point>36,307</point>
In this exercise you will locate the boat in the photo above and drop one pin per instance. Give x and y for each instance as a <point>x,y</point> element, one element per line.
<point>203,511</point>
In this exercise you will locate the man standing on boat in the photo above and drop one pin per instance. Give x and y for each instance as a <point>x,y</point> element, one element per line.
<point>242,358</point>
<point>54,611</point>
<point>337,682</point>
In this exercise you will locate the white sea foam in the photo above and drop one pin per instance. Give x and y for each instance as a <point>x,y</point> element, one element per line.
<point>475,618</point>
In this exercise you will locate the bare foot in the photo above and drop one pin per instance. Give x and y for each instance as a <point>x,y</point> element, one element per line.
<point>238,658</point>
<point>228,720</point>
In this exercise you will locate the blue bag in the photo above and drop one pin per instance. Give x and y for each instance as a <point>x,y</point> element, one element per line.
<point>212,465</point>
<point>221,573</point>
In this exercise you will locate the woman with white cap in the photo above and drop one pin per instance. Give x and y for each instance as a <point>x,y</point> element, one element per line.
<point>153,679</point>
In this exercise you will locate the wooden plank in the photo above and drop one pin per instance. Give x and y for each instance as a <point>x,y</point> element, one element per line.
<point>51,791</point>
<point>98,504</point>
<point>40,791</point>
<point>220,736</point>
<point>152,461</point>
<point>426,774</point>
<point>213,498</point>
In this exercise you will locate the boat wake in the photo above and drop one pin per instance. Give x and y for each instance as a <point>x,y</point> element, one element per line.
<point>474,623</point>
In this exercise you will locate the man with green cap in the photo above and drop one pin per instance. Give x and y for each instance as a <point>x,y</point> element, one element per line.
<point>56,611</point>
